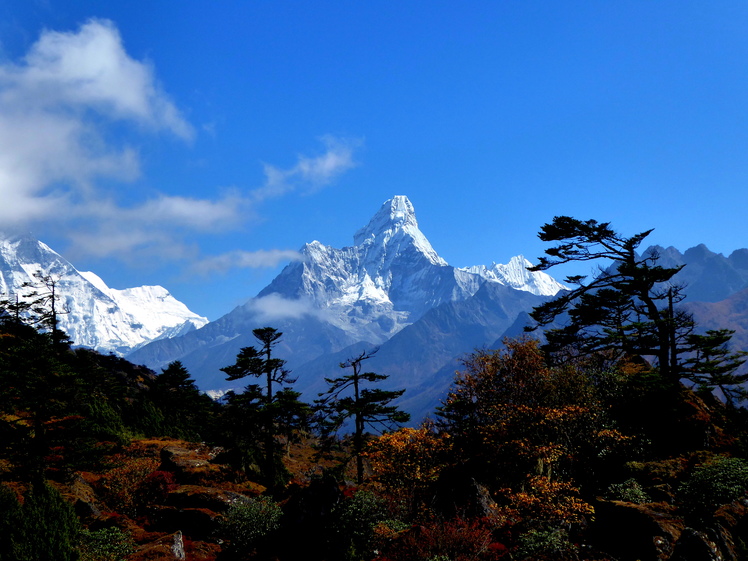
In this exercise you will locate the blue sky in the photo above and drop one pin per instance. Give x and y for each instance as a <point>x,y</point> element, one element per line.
<point>198,145</point>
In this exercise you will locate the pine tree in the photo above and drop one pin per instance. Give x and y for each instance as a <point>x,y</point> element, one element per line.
<point>629,308</point>
<point>270,407</point>
<point>46,305</point>
<point>346,398</point>
<point>715,366</point>
<point>186,410</point>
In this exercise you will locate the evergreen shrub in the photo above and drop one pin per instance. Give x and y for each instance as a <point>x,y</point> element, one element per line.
<point>717,482</point>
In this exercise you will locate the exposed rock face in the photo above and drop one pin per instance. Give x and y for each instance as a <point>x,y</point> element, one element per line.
<point>198,523</point>
<point>655,532</point>
<point>713,544</point>
<point>189,465</point>
<point>195,496</point>
<point>631,532</point>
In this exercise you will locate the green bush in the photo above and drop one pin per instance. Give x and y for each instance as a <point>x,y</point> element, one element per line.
<point>545,544</point>
<point>107,544</point>
<point>50,528</point>
<point>353,523</point>
<point>630,491</point>
<point>247,521</point>
<point>717,482</point>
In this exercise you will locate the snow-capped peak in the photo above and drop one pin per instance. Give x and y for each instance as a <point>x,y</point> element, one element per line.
<point>95,280</point>
<point>395,226</point>
<point>390,277</point>
<point>396,213</point>
<point>97,316</point>
<point>516,275</point>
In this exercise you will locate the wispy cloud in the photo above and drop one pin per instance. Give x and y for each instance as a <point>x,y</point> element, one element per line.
<point>245,259</point>
<point>311,172</point>
<point>59,107</point>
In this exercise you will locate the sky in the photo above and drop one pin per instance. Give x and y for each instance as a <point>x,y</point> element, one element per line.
<point>198,145</point>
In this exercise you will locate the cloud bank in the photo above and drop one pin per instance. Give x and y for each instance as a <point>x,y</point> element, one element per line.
<point>59,108</point>
<point>53,107</point>
<point>245,259</point>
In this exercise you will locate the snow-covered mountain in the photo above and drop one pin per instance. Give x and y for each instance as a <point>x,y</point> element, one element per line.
<point>390,277</point>
<point>389,289</point>
<point>96,316</point>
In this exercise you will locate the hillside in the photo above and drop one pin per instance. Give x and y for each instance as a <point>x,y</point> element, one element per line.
<point>566,463</point>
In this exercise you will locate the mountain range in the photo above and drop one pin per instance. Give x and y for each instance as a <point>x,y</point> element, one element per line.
<point>389,291</point>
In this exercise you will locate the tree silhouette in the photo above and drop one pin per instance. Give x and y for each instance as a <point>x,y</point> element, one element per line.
<point>715,366</point>
<point>627,308</point>
<point>346,399</point>
<point>39,304</point>
<point>272,409</point>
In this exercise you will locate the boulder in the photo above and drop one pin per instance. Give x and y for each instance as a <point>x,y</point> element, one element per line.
<point>631,532</point>
<point>190,465</point>
<point>713,544</point>
<point>196,523</point>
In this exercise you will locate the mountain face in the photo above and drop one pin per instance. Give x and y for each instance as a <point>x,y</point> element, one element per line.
<point>94,315</point>
<point>389,289</point>
<point>706,276</point>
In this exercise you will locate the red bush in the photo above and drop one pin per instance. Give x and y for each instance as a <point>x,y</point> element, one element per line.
<point>457,539</point>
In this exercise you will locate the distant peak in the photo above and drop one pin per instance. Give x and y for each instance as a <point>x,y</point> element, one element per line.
<point>395,214</point>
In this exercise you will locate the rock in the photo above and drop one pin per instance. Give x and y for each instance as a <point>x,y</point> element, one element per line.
<point>166,548</point>
<point>734,517</point>
<point>631,532</point>
<point>709,545</point>
<point>196,496</point>
<point>715,541</point>
<point>190,465</point>
<point>177,547</point>
<point>194,522</point>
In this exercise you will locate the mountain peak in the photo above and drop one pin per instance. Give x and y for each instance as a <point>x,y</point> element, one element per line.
<point>395,214</point>
<point>393,229</point>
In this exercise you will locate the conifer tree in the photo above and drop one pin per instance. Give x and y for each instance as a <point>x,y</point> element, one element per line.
<point>629,308</point>
<point>713,365</point>
<point>270,406</point>
<point>43,394</point>
<point>46,305</point>
<point>347,398</point>
<point>187,411</point>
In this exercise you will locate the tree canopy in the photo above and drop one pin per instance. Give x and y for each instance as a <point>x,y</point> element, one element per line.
<point>628,308</point>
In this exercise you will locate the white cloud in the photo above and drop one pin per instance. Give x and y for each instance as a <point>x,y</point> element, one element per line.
<point>274,307</point>
<point>60,109</point>
<point>90,69</point>
<point>54,106</point>
<point>314,172</point>
<point>245,260</point>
